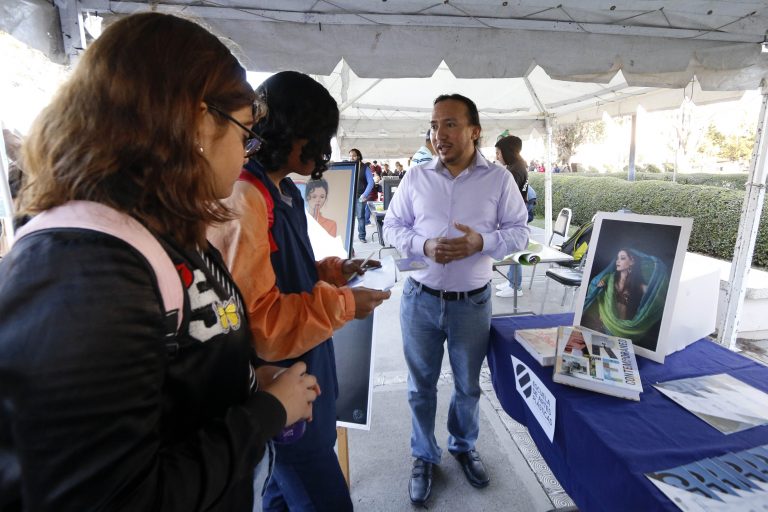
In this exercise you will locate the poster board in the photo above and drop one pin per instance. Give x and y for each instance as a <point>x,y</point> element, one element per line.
<point>353,346</point>
<point>329,204</point>
<point>617,299</point>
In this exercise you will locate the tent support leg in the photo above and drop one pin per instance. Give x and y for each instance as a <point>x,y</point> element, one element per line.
<point>747,234</point>
<point>548,182</point>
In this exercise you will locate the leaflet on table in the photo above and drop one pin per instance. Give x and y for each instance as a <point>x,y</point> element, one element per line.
<point>591,360</point>
<point>732,482</point>
<point>528,256</point>
<point>540,343</point>
<point>382,278</point>
<point>724,402</point>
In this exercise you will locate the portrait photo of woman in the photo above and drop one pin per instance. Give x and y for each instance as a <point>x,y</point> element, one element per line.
<point>630,275</point>
<point>316,195</point>
<point>626,298</point>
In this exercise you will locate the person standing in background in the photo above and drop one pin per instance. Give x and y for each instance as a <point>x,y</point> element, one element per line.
<point>425,153</point>
<point>508,154</point>
<point>449,302</point>
<point>364,187</point>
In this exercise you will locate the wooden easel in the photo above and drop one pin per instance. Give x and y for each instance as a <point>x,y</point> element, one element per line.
<point>343,449</point>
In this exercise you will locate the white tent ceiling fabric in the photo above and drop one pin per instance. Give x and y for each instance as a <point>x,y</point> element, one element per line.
<point>522,61</point>
<point>389,117</point>
<point>655,43</point>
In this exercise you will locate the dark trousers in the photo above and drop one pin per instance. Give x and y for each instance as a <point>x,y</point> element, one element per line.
<point>363,217</point>
<point>314,484</point>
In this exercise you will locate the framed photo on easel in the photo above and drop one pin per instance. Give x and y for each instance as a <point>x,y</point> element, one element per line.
<point>631,279</point>
<point>330,203</point>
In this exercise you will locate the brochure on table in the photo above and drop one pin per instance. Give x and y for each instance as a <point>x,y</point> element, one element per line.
<point>631,279</point>
<point>732,482</point>
<point>721,400</point>
<point>540,343</point>
<point>594,361</point>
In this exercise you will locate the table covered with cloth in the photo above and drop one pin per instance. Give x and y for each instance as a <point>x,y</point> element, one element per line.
<point>604,445</point>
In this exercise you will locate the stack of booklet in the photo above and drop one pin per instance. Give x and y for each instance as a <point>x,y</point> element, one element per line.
<point>586,359</point>
<point>730,482</point>
<point>540,343</point>
<point>591,360</point>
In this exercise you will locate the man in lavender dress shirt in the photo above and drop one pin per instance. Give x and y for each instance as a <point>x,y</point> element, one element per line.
<point>459,212</point>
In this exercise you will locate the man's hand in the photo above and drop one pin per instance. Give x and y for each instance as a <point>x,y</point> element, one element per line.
<point>355,266</point>
<point>445,250</point>
<point>366,300</point>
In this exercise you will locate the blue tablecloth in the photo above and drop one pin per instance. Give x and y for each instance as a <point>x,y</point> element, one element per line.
<point>604,445</point>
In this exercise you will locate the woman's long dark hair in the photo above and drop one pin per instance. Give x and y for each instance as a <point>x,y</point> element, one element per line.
<point>299,108</point>
<point>121,131</point>
<point>634,285</point>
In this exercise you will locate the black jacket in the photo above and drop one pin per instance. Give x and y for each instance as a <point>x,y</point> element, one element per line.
<point>95,414</point>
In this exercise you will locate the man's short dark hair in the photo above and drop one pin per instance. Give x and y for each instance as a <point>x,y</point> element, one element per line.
<point>472,113</point>
<point>429,133</point>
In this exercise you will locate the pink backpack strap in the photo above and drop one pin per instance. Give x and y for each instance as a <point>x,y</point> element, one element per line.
<point>105,219</point>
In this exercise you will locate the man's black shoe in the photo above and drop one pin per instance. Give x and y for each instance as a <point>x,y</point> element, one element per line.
<point>420,485</point>
<point>473,468</point>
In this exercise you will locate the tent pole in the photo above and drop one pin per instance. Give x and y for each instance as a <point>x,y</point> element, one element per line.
<point>69,17</point>
<point>747,234</point>
<point>548,181</point>
<point>6,202</point>
<point>632,139</point>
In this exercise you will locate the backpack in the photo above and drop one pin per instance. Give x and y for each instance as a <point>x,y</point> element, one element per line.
<point>105,219</point>
<point>578,243</point>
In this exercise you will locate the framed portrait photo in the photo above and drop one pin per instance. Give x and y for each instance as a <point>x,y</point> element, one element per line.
<point>631,279</point>
<point>329,203</point>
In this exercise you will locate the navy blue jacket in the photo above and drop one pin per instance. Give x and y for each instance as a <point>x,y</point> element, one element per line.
<point>296,272</point>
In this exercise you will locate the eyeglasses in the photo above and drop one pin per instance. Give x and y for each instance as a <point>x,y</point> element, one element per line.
<point>253,143</point>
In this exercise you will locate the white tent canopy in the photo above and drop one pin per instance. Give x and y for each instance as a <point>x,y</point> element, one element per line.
<point>388,117</point>
<point>654,43</point>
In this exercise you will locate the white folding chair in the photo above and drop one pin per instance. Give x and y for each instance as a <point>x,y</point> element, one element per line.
<point>562,223</point>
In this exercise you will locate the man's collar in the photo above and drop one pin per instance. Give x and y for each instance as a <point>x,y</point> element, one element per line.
<point>479,161</point>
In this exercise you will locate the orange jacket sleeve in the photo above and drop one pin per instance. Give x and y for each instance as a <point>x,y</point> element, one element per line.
<point>284,325</point>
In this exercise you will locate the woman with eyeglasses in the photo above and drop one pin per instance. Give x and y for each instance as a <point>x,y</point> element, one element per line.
<point>294,303</point>
<point>102,405</point>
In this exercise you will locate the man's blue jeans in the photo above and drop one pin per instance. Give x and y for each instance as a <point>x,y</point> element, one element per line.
<point>363,215</point>
<point>427,321</point>
<point>518,279</point>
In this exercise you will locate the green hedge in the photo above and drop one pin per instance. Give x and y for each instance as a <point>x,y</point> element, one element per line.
<point>716,211</point>
<point>731,181</point>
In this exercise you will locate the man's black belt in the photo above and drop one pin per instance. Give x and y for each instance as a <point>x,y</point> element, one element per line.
<point>450,295</point>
